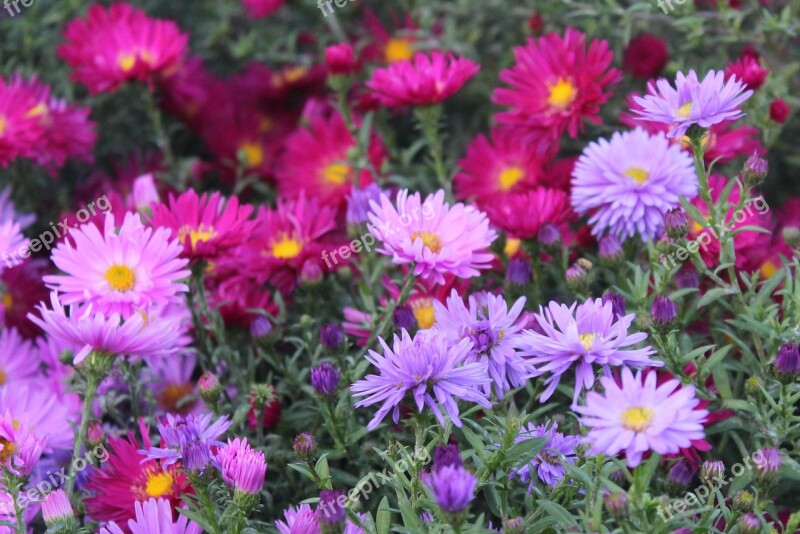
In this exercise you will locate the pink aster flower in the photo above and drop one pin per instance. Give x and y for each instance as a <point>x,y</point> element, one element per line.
<point>155,516</point>
<point>522,215</point>
<point>145,333</point>
<point>119,272</point>
<point>19,361</point>
<point>748,69</point>
<point>207,226</point>
<point>20,449</point>
<point>423,80</point>
<point>436,238</point>
<point>430,369</point>
<point>582,336</point>
<point>243,469</point>
<point>298,519</point>
<point>118,44</point>
<point>638,415</point>
<point>555,84</point>
<point>50,412</point>
<point>19,131</point>
<point>693,102</point>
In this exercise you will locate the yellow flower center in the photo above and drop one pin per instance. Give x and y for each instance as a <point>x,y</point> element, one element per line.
<point>3,377</point>
<point>120,277</point>
<point>286,248</point>
<point>253,154</point>
<point>38,110</point>
<point>126,61</point>
<point>295,73</point>
<point>398,49</point>
<point>423,312</point>
<point>336,173</point>
<point>587,339</point>
<point>7,450</point>
<point>512,246</point>
<point>159,484</point>
<point>510,177</point>
<point>684,111</point>
<point>429,239</point>
<point>562,94</point>
<point>3,124</point>
<point>637,174</point>
<point>7,301</point>
<point>767,270</point>
<point>196,235</point>
<point>637,418</point>
<point>172,395</point>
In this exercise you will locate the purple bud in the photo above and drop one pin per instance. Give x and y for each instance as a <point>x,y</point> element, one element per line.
<point>518,272</point>
<point>712,470</point>
<point>755,170</point>
<point>616,504</point>
<point>750,524</point>
<point>209,388</point>
<point>331,336</point>
<point>427,517</point>
<point>57,509</point>
<point>305,446</point>
<point>676,223</point>
<point>445,455</point>
<point>549,235</point>
<point>403,318</point>
<point>687,277</point>
<point>787,362</point>
<point>514,525</point>
<point>453,488</point>
<point>681,473</point>
<point>617,303</point>
<point>664,311</point>
<point>260,328</point>
<point>325,379</point>
<point>329,511</point>
<point>576,277</point>
<point>311,272</point>
<point>610,249</point>
<point>768,462</point>
<point>95,435</point>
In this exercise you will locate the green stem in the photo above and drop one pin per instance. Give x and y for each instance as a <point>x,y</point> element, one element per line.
<point>405,291</point>
<point>428,118</point>
<point>92,381</point>
<point>162,139</point>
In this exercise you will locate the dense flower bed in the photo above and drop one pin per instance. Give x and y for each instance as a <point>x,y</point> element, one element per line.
<point>433,267</point>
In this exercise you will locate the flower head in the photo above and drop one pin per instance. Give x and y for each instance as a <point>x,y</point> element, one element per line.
<point>747,69</point>
<point>298,519</point>
<point>429,368</point>
<point>20,448</point>
<point>693,102</point>
<point>19,360</point>
<point>19,130</point>
<point>549,461</point>
<point>630,182</point>
<point>453,487</point>
<point>56,508</point>
<point>243,469</point>
<point>645,56</point>
<point>325,378</point>
<point>188,439</point>
<point>522,215</point>
<point>155,516</point>
<point>638,415</point>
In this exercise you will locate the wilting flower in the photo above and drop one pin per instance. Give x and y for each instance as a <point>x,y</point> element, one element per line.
<point>637,416</point>
<point>630,182</point>
<point>522,215</point>
<point>555,84</point>
<point>188,439</point>
<point>495,334</point>
<point>549,461</point>
<point>119,44</point>
<point>155,516</point>
<point>585,335</point>
<point>429,368</point>
<point>423,80</point>
<point>436,238</point>
<point>453,487</point>
<point>693,102</point>
<point>243,469</point>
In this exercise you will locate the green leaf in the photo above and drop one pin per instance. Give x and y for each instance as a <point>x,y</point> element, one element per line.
<point>383,518</point>
<point>323,472</point>
<point>715,294</point>
<point>557,512</point>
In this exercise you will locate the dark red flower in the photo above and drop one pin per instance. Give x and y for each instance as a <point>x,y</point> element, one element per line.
<point>645,56</point>
<point>779,110</point>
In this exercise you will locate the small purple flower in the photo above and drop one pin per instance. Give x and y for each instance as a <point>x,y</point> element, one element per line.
<point>331,336</point>
<point>687,277</point>
<point>755,170</point>
<point>549,461</point>
<point>243,469</point>
<point>403,318</point>
<point>768,462</point>
<point>518,272</point>
<point>453,488</point>
<point>305,446</point>
<point>676,223</point>
<point>445,455</point>
<point>325,379</point>
<point>617,303</point>
<point>787,361</point>
<point>610,249</point>
<point>549,235</point>
<point>664,311</point>
<point>329,510</point>
<point>750,524</point>
<point>682,473</point>
<point>358,201</point>
<point>260,328</point>
<point>188,439</point>
<point>56,508</point>
<point>712,470</point>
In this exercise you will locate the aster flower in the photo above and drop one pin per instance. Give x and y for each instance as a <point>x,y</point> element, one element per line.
<point>19,360</point>
<point>243,469</point>
<point>298,519</point>
<point>390,46</point>
<point>637,416</point>
<point>56,509</point>
<point>170,378</point>
<point>549,461</point>
<point>693,102</point>
<point>142,334</point>
<point>188,439</point>
<point>438,239</point>
<point>207,226</point>
<point>325,378</point>
<point>429,368</point>
<point>119,272</point>
<point>119,44</point>
<point>748,70</point>
<point>155,516</point>
<point>555,84</point>
<point>645,56</point>
<point>20,448</point>
<point>495,334</point>
<point>522,215</point>
<point>12,243</point>
<point>630,182</point>
<point>585,334</point>
<point>50,413</point>
<point>423,80</point>
<point>19,131</point>
<point>358,202</point>
<point>453,488</point>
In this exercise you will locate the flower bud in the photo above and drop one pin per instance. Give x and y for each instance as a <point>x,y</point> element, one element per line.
<point>755,170</point>
<point>331,336</point>
<point>712,470</point>
<point>768,463</point>
<point>330,513</point>
<point>787,362</point>
<point>676,223</point>
<point>209,388</point>
<point>311,273</point>
<point>325,379</point>
<point>305,446</point>
<point>95,435</point>
<point>681,473</point>
<point>687,277</point>
<point>403,318</point>
<point>664,312</point>
<point>752,386</point>
<point>617,303</point>
<point>749,524</point>
<point>743,501</point>
<point>578,275</point>
<point>610,250</point>
<point>518,272</point>
<point>340,59</point>
<point>57,510</point>
<point>515,525</point>
<point>549,236</point>
<point>616,504</point>
<point>260,328</point>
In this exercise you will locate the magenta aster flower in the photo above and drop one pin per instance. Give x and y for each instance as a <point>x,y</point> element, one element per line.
<point>548,462</point>
<point>629,183</point>
<point>495,332</point>
<point>522,215</point>
<point>19,131</point>
<point>20,448</point>
<point>298,519</point>
<point>243,469</point>
<point>258,9</point>
<point>206,225</point>
<point>585,334</point>
<point>155,516</point>
<point>119,44</point>
<point>119,272</point>
<point>423,80</point>
<point>438,239</point>
<point>638,415</point>
<point>555,84</point>
<point>429,368</point>
<point>693,102</point>
<point>142,334</point>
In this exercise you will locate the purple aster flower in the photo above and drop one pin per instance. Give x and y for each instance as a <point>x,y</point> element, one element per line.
<point>331,336</point>
<point>495,334</point>
<point>664,311</point>
<point>358,203</point>
<point>638,415</point>
<point>682,473</point>
<point>403,318</point>
<point>329,510</point>
<point>548,462</point>
<point>519,272</point>
<point>243,469</point>
<point>20,448</point>
<point>453,487</point>
<point>188,439</point>
<point>445,455</point>
<point>586,334</point>
<point>693,102</point>
<point>610,249</point>
<point>628,183</point>
<point>787,361</point>
<point>298,519</point>
<point>768,462</point>
<point>617,303</point>
<point>325,379</point>
<point>428,367</point>
<point>155,516</point>
<point>56,509</point>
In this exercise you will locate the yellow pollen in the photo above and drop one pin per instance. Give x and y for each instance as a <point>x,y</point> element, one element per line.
<point>126,61</point>
<point>510,177</point>
<point>398,49</point>
<point>637,418</point>
<point>336,173</point>
<point>253,154</point>
<point>429,239</point>
<point>767,270</point>
<point>196,235</point>
<point>684,111</point>
<point>512,246</point>
<point>7,301</point>
<point>2,377</point>
<point>587,339</point>
<point>120,277</point>
<point>295,74</point>
<point>423,312</point>
<point>637,174</point>
<point>38,110</point>
<point>562,94</point>
<point>7,450</point>
<point>286,248</point>
<point>159,484</point>
<point>3,124</point>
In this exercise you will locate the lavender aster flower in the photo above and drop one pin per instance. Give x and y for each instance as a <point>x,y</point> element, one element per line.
<point>453,488</point>
<point>768,462</point>
<point>628,183</point>
<point>429,368</point>
<point>548,462</point>
<point>358,203</point>
<point>693,102</point>
<point>325,379</point>
<point>188,439</point>
<point>586,334</point>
